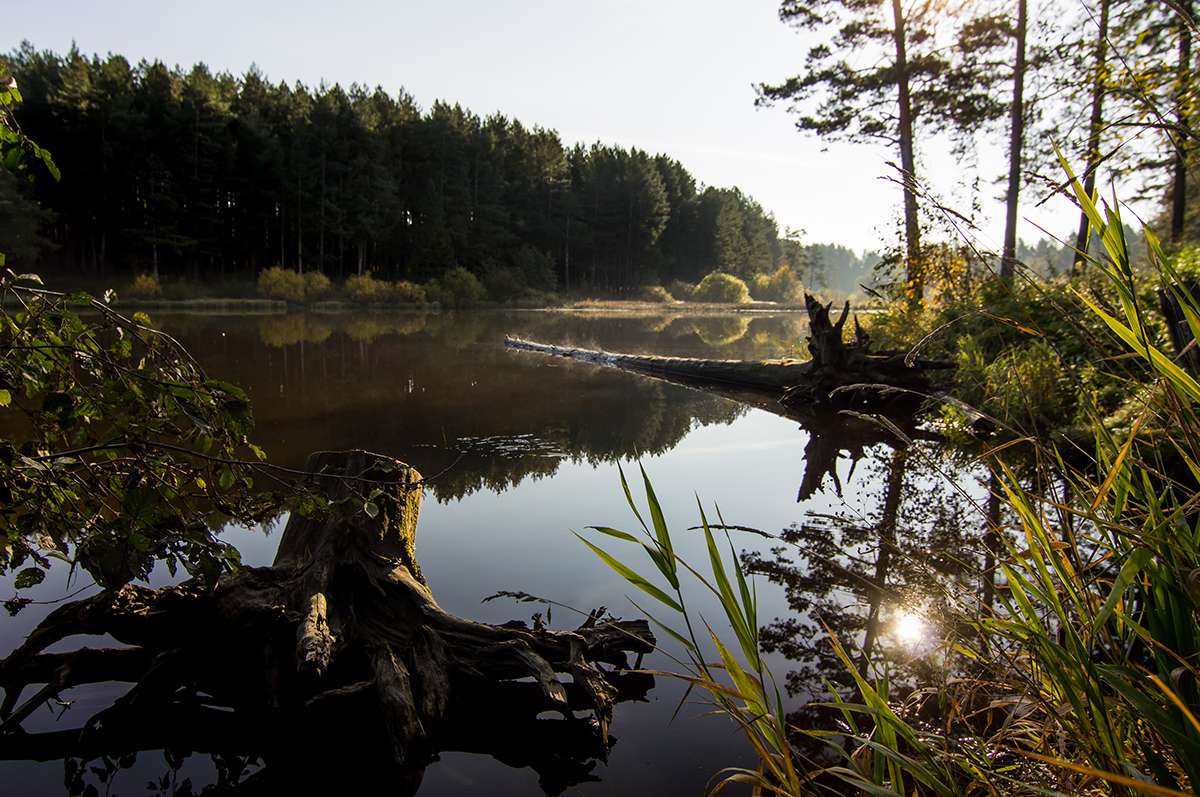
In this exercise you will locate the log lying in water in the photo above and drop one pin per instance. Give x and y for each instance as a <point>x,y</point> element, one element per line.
<point>761,374</point>
<point>815,393</point>
<point>839,374</point>
<point>337,650</point>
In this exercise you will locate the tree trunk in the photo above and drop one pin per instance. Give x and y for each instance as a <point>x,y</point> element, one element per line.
<point>1095,128</point>
<point>1183,101</point>
<point>915,267</point>
<point>340,632</point>
<point>1016,143</point>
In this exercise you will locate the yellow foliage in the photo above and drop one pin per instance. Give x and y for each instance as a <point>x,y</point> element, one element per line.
<point>365,289</point>
<point>145,286</point>
<point>722,288</point>
<point>316,286</point>
<point>278,283</point>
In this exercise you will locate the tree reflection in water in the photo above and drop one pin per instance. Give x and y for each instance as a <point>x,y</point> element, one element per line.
<point>889,583</point>
<point>439,391</point>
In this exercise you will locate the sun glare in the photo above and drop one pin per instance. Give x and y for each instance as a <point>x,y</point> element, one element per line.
<point>909,627</point>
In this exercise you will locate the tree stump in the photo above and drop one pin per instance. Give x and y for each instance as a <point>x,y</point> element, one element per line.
<point>338,648</point>
<point>849,376</point>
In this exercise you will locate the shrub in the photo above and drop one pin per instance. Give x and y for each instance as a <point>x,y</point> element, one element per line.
<point>782,286</point>
<point>179,291</point>
<point>457,288</point>
<point>365,289</point>
<point>681,290</point>
<point>722,288</point>
<point>145,286</point>
<point>279,283</point>
<point>407,292</point>
<point>502,283</point>
<point>655,293</point>
<point>316,286</point>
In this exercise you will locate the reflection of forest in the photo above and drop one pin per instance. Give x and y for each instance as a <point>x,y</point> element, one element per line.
<point>916,554</point>
<point>438,390</point>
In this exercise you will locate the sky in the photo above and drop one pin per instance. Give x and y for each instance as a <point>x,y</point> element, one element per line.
<point>665,76</point>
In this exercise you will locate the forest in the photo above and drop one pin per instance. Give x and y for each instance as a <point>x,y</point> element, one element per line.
<point>191,175</point>
<point>1064,652</point>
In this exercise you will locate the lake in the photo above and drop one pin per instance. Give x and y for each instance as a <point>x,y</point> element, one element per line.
<point>521,449</point>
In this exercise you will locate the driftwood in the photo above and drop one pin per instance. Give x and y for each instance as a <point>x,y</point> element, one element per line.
<point>829,395</point>
<point>761,374</point>
<point>837,374</point>
<point>338,652</point>
<point>847,375</point>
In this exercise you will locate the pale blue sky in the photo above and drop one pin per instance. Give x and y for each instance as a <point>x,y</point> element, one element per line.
<point>673,76</point>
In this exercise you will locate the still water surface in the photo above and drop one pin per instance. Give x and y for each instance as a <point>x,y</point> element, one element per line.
<point>522,449</point>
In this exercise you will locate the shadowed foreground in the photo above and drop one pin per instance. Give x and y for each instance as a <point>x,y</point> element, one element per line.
<point>334,665</point>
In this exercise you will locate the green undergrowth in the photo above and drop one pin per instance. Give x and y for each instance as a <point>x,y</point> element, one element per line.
<point>1082,673</point>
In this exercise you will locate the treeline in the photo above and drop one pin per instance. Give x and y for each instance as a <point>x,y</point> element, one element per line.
<point>196,175</point>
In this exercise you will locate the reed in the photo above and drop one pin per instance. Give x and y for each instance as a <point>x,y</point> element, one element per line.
<point>1092,653</point>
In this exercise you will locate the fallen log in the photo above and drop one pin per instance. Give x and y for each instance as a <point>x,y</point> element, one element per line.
<point>838,374</point>
<point>760,374</point>
<point>836,395</point>
<point>338,646</point>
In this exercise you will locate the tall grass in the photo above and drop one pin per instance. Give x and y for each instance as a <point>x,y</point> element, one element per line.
<point>1090,658</point>
<point>740,687</point>
<point>1102,624</point>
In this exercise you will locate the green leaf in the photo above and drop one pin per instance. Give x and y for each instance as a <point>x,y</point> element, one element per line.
<point>656,515</point>
<point>5,398</point>
<point>635,579</point>
<point>237,416</point>
<point>29,577</point>
<point>371,509</point>
<point>227,478</point>
<point>140,503</point>
<point>629,497</point>
<point>621,535</point>
<point>203,444</point>
<point>1133,565</point>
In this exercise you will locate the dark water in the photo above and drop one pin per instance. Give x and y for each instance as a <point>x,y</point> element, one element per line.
<point>524,448</point>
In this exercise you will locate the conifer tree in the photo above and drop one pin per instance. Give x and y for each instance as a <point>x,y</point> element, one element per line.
<point>916,86</point>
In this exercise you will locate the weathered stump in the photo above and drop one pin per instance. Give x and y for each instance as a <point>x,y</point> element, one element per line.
<point>851,375</point>
<point>339,646</point>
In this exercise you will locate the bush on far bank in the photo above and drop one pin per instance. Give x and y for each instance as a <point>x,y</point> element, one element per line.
<point>365,289</point>
<point>782,286</point>
<point>680,290</point>
<point>286,285</point>
<point>655,293</point>
<point>456,288</point>
<point>721,288</point>
<point>144,286</point>
<point>316,286</point>
<point>281,284</point>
